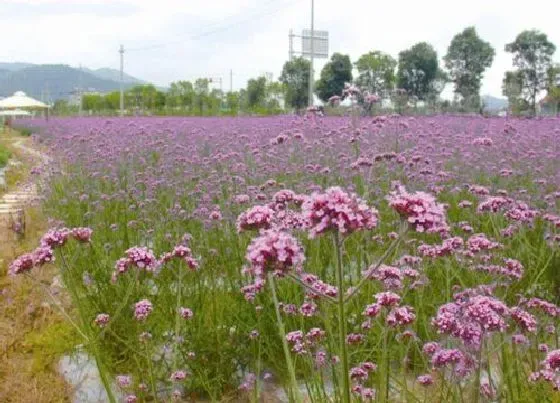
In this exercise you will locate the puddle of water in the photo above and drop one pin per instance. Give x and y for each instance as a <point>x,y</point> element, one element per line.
<point>80,371</point>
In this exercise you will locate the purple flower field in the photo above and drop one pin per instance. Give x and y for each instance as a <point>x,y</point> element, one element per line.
<point>375,259</point>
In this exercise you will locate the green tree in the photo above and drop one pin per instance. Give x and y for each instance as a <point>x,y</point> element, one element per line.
<point>275,91</point>
<point>61,107</point>
<point>376,72</point>
<point>553,87</point>
<point>256,92</point>
<point>512,87</point>
<point>467,58</point>
<point>334,75</point>
<point>201,93</point>
<point>113,101</point>
<point>419,73</point>
<point>295,76</point>
<point>532,55</point>
<point>180,95</point>
<point>232,101</point>
<point>93,102</point>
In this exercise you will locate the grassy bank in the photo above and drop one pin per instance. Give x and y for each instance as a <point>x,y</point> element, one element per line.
<point>32,334</point>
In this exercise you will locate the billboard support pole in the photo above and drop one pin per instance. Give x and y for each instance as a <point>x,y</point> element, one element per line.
<point>311,75</point>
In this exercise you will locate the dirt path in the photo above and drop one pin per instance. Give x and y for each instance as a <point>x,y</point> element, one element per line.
<point>31,332</point>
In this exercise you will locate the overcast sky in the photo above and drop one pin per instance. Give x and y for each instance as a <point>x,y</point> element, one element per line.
<point>210,37</point>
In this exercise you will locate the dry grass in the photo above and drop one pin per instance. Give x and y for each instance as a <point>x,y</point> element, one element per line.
<point>32,334</point>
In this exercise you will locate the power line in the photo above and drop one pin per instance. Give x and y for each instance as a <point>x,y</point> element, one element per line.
<point>218,29</point>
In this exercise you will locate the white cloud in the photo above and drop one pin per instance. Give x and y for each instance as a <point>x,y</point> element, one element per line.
<point>251,36</point>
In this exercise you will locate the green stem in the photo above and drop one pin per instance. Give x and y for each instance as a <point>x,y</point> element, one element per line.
<point>389,250</point>
<point>342,320</point>
<point>384,370</point>
<point>59,307</point>
<point>516,367</point>
<point>282,333</point>
<point>506,373</point>
<point>178,316</point>
<point>151,372</point>
<point>476,390</point>
<point>103,375</point>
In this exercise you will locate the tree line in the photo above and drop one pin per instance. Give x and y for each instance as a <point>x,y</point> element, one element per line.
<point>414,76</point>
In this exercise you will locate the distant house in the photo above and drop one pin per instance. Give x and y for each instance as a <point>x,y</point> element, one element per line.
<point>75,95</point>
<point>547,106</point>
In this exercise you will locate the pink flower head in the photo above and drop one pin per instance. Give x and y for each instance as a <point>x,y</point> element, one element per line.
<point>186,313</point>
<point>295,336</point>
<point>248,383</point>
<point>339,211</point>
<point>430,348</point>
<point>215,215</point>
<point>257,217</point>
<point>142,310</point>
<point>546,307</point>
<point>42,255</point>
<point>22,264</point>
<point>489,312</point>
<point>425,380</point>
<point>242,199</point>
<point>368,366</point>
<point>372,310</point>
<point>82,234</point>
<point>140,257</point>
<point>445,357</point>
<point>387,298</point>
<point>274,251</point>
<point>334,100</point>
<point>391,276</point>
<point>178,376</point>
<point>552,361</point>
<point>358,374</point>
<point>284,196</point>
<point>494,204</point>
<point>400,316</point>
<point>519,339</point>
<point>102,319</point>
<point>524,319</point>
<point>315,334</point>
<point>354,338</point>
<point>521,213</point>
<point>124,381</point>
<point>420,209</point>
<point>479,242</point>
<point>55,237</point>
<point>482,141</point>
<point>308,309</point>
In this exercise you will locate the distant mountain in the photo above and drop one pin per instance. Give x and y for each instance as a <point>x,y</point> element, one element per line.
<point>55,81</point>
<point>14,66</point>
<point>114,75</point>
<point>494,103</point>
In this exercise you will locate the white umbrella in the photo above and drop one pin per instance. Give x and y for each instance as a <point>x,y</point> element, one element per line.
<point>20,100</point>
<point>14,112</point>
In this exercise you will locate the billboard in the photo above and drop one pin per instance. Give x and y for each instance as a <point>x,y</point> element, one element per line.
<point>320,44</point>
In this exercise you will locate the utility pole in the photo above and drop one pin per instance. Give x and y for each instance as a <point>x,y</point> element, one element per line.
<point>221,96</point>
<point>291,49</point>
<point>311,75</point>
<point>121,51</point>
<point>80,93</point>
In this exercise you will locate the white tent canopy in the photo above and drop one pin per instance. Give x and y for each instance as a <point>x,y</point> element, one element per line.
<point>14,112</point>
<point>20,100</point>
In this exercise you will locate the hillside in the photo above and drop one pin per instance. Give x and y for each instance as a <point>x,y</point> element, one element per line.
<point>494,103</point>
<point>15,66</point>
<point>56,81</point>
<point>114,75</point>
